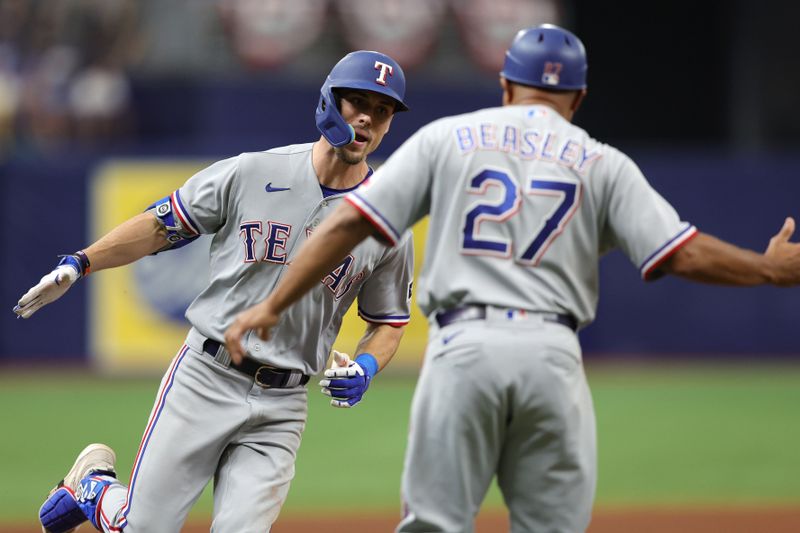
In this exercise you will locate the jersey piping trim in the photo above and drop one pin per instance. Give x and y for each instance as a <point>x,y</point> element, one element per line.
<point>383,226</point>
<point>657,258</point>
<point>151,424</point>
<point>100,516</point>
<point>186,220</point>
<point>392,320</point>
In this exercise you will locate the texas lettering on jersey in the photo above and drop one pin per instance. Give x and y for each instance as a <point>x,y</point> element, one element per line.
<point>277,235</point>
<point>338,281</point>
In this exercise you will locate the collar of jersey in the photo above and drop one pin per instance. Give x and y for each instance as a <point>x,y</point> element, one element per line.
<point>328,191</point>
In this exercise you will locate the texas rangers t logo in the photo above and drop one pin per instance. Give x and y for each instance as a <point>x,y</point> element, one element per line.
<point>385,69</point>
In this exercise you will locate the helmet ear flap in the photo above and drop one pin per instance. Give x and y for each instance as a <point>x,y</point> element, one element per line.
<point>335,99</point>
<point>330,122</point>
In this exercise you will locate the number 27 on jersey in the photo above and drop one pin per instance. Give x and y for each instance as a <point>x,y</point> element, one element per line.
<point>535,244</point>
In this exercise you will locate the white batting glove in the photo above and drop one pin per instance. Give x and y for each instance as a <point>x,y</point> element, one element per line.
<point>51,287</point>
<point>347,380</point>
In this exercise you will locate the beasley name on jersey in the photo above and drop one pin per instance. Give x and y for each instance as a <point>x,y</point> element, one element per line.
<point>525,143</point>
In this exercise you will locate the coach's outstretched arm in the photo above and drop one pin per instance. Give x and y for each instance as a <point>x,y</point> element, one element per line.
<point>327,246</point>
<point>708,259</point>
<point>133,239</point>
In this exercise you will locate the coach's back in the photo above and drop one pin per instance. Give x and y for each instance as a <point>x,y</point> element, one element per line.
<point>522,205</point>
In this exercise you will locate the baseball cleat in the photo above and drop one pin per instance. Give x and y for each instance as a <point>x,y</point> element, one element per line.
<point>60,512</point>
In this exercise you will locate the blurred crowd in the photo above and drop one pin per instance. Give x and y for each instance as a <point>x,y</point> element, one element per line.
<point>67,66</point>
<point>63,70</point>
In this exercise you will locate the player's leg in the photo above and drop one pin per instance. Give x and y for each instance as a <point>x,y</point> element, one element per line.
<point>198,407</point>
<point>457,424</point>
<point>547,468</point>
<point>256,468</point>
<point>76,497</point>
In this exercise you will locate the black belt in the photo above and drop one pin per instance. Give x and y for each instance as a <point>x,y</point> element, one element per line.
<point>478,312</point>
<point>267,376</point>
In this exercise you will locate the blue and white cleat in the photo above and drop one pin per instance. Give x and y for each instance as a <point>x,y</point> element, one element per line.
<point>74,499</point>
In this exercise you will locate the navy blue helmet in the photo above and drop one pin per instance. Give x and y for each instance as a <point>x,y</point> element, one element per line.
<point>367,70</point>
<point>546,56</point>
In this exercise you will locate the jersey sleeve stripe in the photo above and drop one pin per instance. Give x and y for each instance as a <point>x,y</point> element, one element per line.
<point>392,320</point>
<point>186,220</point>
<point>658,257</point>
<point>370,213</point>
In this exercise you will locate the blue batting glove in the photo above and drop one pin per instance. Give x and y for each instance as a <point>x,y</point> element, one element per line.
<point>347,381</point>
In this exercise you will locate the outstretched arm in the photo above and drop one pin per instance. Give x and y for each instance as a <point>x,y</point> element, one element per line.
<point>137,237</point>
<point>326,248</point>
<point>708,259</point>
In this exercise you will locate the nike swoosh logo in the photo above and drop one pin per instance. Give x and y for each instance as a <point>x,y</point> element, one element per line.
<point>448,338</point>
<point>270,188</point>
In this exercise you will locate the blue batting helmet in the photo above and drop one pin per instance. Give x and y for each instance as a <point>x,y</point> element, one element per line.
<point>370,71</point>
<point>546,56</point>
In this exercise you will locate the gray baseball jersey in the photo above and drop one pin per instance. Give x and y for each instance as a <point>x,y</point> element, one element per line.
<point>260,208</point>
<point>212,421</point>
<point>522,205</point>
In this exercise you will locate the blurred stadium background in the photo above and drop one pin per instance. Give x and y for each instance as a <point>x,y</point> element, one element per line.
<point>106,105</point>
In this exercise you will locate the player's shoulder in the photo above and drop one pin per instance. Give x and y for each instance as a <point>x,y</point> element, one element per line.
<point>469,117</point>
<point>283,158</point>
<point>280,152</point>
<point>442,127</point>
<point>608,152</point>
<point>611,155</point>
<point>609,162</point>
<point>287,161</point>
<point>245,159</point>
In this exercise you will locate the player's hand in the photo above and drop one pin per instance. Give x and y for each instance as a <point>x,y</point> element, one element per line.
<point>51,287</point>
<point>259,318</point>
<point>346,380</point>
<point>785,255</point>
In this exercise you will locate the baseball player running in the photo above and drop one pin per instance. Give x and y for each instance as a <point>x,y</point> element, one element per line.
<point>241,422</point>
<point>522,205</point>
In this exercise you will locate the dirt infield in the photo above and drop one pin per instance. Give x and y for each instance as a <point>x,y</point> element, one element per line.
<point>759,520</point>
<point>773,520</point>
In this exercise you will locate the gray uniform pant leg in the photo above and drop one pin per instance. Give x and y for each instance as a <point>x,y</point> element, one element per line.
<point>209,421</point>
<point>192,418</point>
<point>548,464</point>
<point>501,398</point>
<point>253,477</point>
